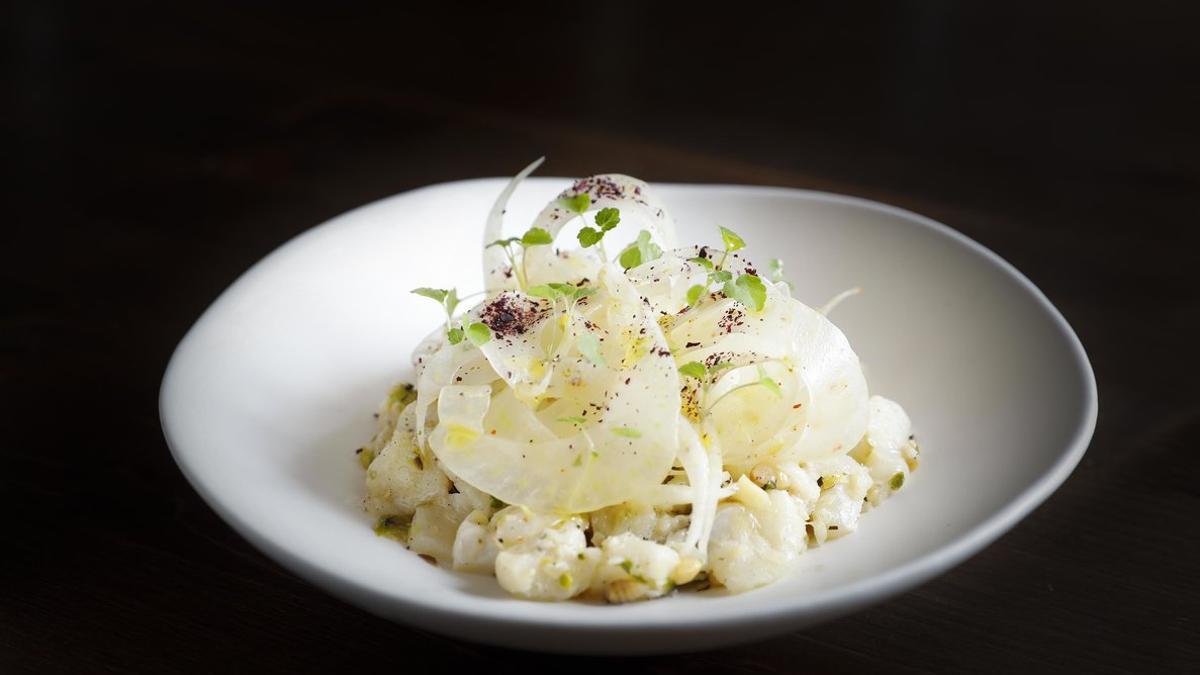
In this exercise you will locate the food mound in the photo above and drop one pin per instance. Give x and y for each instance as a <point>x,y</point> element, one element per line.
<point>622,426</point>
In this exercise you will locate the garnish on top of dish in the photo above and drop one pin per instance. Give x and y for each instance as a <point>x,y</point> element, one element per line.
<point>623,423</point>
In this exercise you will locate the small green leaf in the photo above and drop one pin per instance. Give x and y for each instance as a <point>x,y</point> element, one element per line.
<point>703,262</point>
<point>631,257</point>
<point>720,277</point>
<point>693,369</point>
<point>640,252</point>
<point>454,335</point>
<point>479,333</point>
<point>608,218</point>
<point>577,421</point>
<point>536,236</point>
<point>589,346</point>
<point>436,294</point>
<point>776,267</point>
<point>627,432</point>
<point>451,301</point>
<point>582,292</point>
<point>694,293</point>
<point>503,242</point>
<point>768,382</point>
<point>731,240</point>
<point>579,203</point>
<point>589,236</point>
<point>897,481</point>
<point>749,290</point>
<point>542,291</point>
<point>563,290</point>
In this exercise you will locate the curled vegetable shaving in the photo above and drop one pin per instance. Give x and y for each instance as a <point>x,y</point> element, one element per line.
<point>567,432</point>
<point>690,407</point>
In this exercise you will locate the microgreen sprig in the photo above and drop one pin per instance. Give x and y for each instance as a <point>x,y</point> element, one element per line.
<point>478,333</point>
<point>606,219</point>
<point>640,252</point>
<point>448,299</point>
<point>747,289</point>
<point>534,236</point>
<point>566,297</point>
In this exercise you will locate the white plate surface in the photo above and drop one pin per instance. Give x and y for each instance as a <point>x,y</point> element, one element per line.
<point>272,389</point>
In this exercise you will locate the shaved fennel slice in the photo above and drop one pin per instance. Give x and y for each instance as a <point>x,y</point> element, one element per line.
<point>440,368</point>
<point>427,347</point>
<point>757,422</point>
<point>823,409</point>
<point>494,264</point>
<point>837,391</point>
<point>545,264</point>
<point>520,348</point>
<point>838,299</point>
<point>665,281</point>
<point>632,196</point>
<point>701,458</point>
<point>619,453</point>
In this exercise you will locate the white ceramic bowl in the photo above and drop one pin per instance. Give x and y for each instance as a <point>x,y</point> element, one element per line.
<point>266,398</point>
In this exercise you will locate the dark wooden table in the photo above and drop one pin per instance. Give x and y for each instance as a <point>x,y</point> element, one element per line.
<point>152,154</point>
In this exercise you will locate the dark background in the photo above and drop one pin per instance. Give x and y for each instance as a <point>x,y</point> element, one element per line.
<point>152,153</point>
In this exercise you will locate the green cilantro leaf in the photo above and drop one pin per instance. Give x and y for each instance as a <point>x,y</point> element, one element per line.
<point>731,240</point>
<point>631,257</point>
<point>640,252</point>
<point>579,203</point>
<point>536,236</point>
<point>447,299</point>
<point>542,291</point>
<point>563,290</point>
<point>749,290</point>
<point>694,293</point>
<point>627,432</point>
<point>436,294</point>
<point>703,262</point>
<point>607,219</point>
<point>589,346</point>
<point>479,333</point>
<point>693,369</point>
<point>454,335</point>
<point>589,236</point>
<point>720,277</point>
